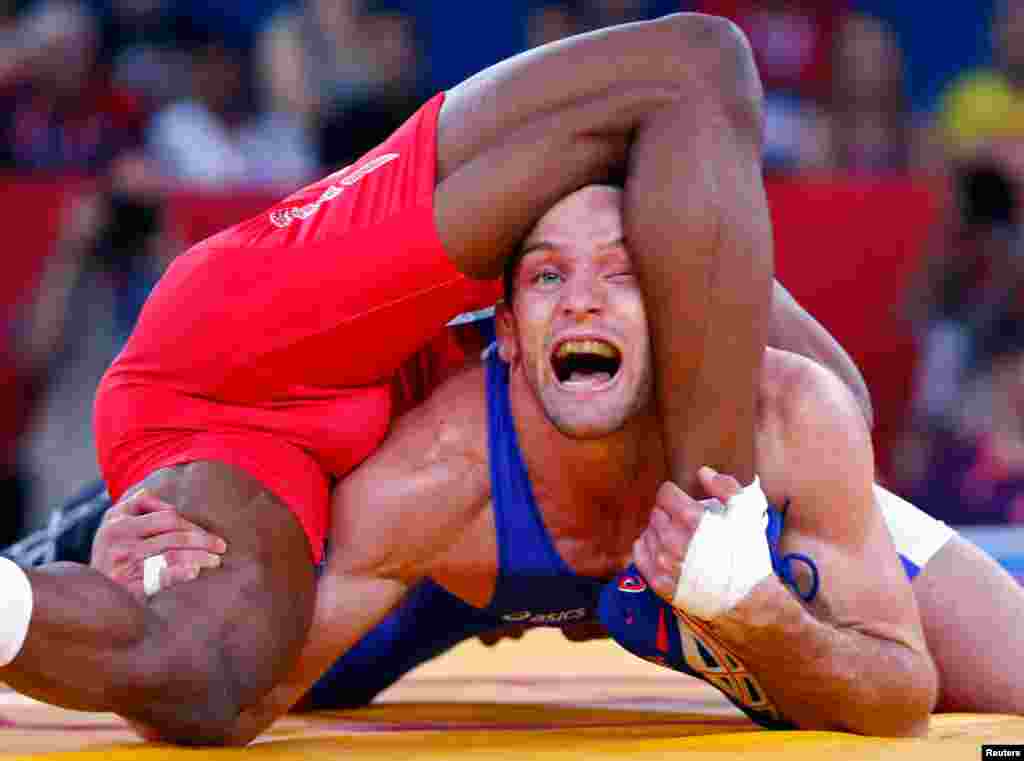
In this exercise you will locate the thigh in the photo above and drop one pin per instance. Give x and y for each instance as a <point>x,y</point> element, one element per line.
<point>248,618</point>
<point>972,612</point>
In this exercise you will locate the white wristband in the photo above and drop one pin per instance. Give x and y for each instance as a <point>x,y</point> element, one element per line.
<point>151,570</point>
<point>15,610</point>
<point>727,557</point>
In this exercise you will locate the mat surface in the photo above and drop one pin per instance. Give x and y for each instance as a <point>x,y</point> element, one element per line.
<point>539,698</point>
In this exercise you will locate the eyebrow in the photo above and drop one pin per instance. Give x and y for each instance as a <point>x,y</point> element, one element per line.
<point>541,245</point>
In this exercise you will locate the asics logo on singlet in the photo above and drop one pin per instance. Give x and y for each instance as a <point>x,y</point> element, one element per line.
<point>284,217</point>
<point>558,617</point>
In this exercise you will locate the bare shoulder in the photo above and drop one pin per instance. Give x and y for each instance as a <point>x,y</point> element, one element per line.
<point>814,448</point>
<point>412,498</point>
<point>798,394</point>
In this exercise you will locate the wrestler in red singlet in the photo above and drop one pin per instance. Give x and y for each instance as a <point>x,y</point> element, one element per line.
<point>273,346</point>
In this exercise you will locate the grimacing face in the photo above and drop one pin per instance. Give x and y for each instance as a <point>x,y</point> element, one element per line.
<point>577,328</point>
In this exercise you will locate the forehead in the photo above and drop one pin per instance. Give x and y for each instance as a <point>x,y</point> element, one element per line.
<point>588,216</point>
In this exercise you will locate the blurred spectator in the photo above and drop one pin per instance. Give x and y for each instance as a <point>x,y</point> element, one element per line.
<point>335,41</point>
<point>280,140</point>
<point>983,110</point>
<point>975,472</point>
<point>31,339</point>
<point>194,141</point>
<point>351,128</point>
<point>968,291</point>
<point>793,42</point>
<point>13,53</point>
<point>871,124</point>
<point>65,116</point>
<point>142,44</point>
<point>553,21</point>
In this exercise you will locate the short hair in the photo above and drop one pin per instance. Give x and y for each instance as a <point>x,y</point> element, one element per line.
<point>509,272</point>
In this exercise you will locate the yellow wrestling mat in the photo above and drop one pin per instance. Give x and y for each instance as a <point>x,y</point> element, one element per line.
<point>539,698</point>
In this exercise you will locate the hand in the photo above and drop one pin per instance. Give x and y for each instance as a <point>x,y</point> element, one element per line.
<point>143,525</point>
<point>660,550</point>
<point>494,636</point>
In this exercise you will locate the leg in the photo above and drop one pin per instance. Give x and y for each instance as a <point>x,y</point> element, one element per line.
<point>188,662</point>
<point>972,612</point>
<point>674,106</point>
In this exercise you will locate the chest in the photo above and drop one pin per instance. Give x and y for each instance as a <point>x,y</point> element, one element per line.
<point>522,572</point>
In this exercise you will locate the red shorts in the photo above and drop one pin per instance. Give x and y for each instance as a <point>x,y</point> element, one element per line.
<point>275,345</point>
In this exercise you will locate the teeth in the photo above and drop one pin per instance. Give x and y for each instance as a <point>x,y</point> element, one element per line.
<point>588,346</point>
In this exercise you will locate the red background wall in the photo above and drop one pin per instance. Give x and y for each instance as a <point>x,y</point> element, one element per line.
<point>845,250</point>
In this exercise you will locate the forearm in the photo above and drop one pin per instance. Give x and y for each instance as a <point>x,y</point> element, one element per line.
<point>794,329</point>
<point>842,676</point>
<point>82,624</point>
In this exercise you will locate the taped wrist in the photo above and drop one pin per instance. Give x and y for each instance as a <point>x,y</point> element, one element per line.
<point>727,557</point>
<point>15,610</point>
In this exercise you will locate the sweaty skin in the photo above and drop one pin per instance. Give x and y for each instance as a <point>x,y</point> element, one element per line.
<point>420,506</point>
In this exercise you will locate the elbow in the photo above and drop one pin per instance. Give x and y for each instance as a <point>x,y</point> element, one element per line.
<point>906,709</point>
<point>709,58</point>
<point>727,60</point>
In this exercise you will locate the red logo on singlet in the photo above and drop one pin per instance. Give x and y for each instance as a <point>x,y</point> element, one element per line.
<point>632,584</point>
<point>284,217</point>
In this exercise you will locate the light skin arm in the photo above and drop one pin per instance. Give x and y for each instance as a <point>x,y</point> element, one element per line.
<point>855,658</point>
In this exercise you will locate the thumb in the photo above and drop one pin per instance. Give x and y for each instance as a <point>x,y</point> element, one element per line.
<point>718,485</point>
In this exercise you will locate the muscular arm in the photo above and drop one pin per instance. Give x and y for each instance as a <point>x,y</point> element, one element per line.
<point>855,657</point>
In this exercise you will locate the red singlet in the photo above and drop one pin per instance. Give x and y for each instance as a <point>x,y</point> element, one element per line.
<point>275,345</point>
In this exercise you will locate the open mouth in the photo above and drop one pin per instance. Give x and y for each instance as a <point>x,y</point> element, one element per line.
<point>586,361</point>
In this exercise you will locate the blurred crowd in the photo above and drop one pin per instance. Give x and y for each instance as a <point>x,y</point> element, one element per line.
<point>137,99</point>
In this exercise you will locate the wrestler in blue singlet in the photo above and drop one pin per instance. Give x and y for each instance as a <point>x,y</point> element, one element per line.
<point>535,586</point>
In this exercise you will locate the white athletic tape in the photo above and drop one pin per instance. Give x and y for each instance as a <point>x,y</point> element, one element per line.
<point>151,568</point>
<point>728,555</point>
<point>917,535</point>
<point>15,610</point>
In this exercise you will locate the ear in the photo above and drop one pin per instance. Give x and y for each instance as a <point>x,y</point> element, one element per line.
<point>505,330</point>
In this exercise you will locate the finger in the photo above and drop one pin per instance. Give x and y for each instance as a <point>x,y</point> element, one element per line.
<point>199,558</point>
<point>170,576</point>
<point>160,523</point>
<point>181,540</point>
<point>645,558</point>
<point>140,502</point>
<point>665,538</point>
<point>718,485</point>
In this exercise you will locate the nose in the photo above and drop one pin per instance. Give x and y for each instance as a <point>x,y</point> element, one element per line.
<point>583,296</point>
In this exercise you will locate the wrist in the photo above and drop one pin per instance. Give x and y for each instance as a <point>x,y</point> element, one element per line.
<point>767,617</point>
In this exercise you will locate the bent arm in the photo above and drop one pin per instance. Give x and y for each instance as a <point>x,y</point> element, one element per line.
<point>854,658</point>
<point>794,329</point>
